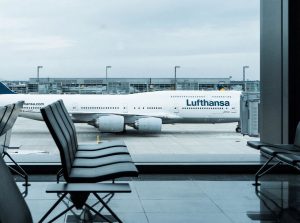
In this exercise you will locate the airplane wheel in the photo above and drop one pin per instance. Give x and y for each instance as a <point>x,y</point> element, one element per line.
<point>238,129</point>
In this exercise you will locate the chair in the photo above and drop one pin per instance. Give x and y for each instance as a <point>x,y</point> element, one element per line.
<point>72,174</point>
<point>287,153</point>
<point>87,158</point>
<point>294,157</point>
<point>81,175</point>
<point>13,208</point>
<point>7,121</point>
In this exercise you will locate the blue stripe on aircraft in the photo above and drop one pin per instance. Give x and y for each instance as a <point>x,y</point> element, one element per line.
<point>5,90</point>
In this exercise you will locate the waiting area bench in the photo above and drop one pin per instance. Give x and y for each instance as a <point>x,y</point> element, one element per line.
<point>83,170</point>
<point>87,155</point>
<point>278,153</point>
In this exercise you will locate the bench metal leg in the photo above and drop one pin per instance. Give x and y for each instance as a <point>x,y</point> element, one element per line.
<point>52,208</point>
<point>62,213</point>
<point>110,195</point>
<point>264,169</point>
<point>21,172</point>
<point>108,208</point>
<point>97,213</point>
<point>108,200</point>
<point>63,195</point>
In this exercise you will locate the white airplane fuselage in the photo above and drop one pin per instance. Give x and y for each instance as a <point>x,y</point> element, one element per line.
<point>169,106</point>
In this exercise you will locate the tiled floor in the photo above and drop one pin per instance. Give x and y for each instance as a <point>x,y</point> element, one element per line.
<point>192,199</point>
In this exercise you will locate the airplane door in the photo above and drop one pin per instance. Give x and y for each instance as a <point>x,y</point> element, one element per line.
<point>233,109</point>
<point>74,107</point>
<point>175,106</point>
<point>176,109</point>
<point>125,109</point>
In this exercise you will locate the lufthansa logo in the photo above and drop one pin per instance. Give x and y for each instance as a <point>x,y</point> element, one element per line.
<point>204,102</point>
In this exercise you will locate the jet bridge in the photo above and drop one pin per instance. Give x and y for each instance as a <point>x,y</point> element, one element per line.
<point>249,112</point>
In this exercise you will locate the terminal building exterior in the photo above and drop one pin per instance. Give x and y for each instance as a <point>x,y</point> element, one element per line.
<point>125,85</point>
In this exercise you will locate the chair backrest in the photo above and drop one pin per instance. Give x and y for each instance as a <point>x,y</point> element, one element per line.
<point>7,121</point>
<point>2,138</point>
<point>2,112</point>
<point>13,208</point>
<point>5,118</point>
<point>68,124</point>
<point>60,140</point>
<point>69,119</point>
<point>13,116</point>
<point>297,136</point>
<point>64,130</point>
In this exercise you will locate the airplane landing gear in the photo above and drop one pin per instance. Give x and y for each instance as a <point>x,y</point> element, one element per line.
<point>238,128</point>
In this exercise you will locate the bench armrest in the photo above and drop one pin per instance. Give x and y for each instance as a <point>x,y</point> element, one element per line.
<point>89,187</point>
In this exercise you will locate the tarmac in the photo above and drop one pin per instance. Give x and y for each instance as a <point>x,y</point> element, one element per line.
<point>180,141</point>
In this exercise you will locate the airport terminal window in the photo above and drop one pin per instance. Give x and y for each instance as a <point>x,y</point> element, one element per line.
<point>144,47</point>
<point>135,88</point>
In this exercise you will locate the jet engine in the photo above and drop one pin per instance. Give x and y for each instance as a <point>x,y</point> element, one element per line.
<point>150,124</point>
<point>110,123</point>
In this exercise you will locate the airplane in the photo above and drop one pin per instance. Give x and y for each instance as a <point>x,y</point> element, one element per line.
<point>146,112</point>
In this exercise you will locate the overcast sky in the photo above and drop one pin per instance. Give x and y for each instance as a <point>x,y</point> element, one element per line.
<point>138,38</point>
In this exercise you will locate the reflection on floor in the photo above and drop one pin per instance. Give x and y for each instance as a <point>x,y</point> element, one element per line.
<point>191,199</point>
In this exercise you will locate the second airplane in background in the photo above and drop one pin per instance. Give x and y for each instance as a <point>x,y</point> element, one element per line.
<point>145,112</point>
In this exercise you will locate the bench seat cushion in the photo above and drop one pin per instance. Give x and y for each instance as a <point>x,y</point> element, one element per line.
<point>289,158</point>
<point>284,148</point>
<point>98,174</point>
<point>101,153</point>
<point>103,161</point>
<point>256,144</point>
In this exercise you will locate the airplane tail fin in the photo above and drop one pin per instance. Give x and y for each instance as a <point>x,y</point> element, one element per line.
<point>4,89</point>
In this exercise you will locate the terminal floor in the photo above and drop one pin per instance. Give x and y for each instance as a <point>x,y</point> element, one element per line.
<point>189,198</point>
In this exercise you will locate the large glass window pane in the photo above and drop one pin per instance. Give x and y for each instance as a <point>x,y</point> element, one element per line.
<point>132,47</point>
